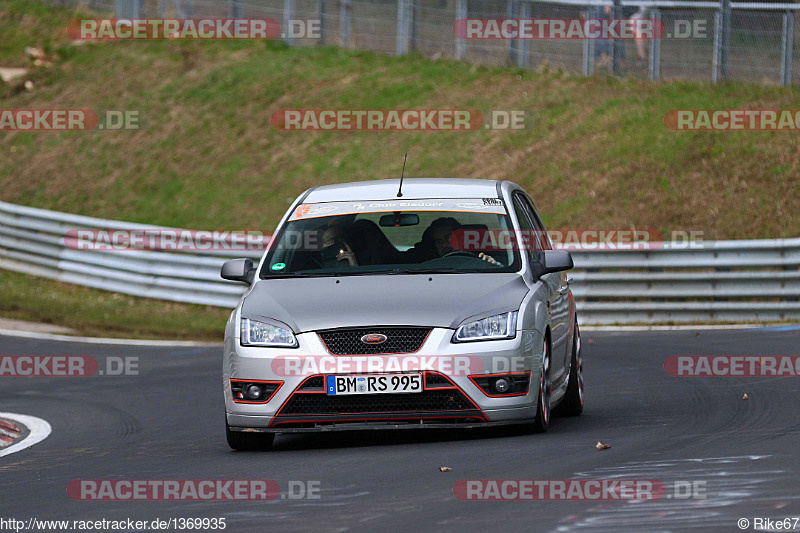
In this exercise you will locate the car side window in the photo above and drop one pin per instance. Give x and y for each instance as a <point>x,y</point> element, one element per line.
<point>529,238</point>
<point>544,241</point>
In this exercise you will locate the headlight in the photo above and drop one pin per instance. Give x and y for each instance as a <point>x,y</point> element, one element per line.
<point>254,333</point>
<point>502,326</point>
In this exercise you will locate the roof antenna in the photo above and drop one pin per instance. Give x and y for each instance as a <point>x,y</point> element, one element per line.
<point>400,190</point>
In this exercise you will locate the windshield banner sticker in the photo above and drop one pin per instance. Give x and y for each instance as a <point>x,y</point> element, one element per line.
<point>469,205</point>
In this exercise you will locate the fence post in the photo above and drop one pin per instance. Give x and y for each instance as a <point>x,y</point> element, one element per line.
<point>617,45</point>
<point>512,8</point>
<point>321,9</point>
<point>524,44</point>
<point>786,48</point>
<point>415,8</point>
<point>402,26</point>
<point>461,44</point>
<point>128,9</point>
<point>288,26</point>
<point>725,41</point>
<point>655,47</point>
<point>235,9</point>
<point>716,48</point>
<point>344,23</point>
<point>588,57</point>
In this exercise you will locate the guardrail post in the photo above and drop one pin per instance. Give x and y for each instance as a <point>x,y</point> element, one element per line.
<point>725,41</point>
<point>655,47</point>
<point>344,23</point>
<point>716,48</point>
<point>786,48</point>
<point>617,48</point>
<point>461,13</point>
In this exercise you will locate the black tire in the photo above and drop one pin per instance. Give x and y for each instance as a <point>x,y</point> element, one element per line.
<point>542,420</point>
<point>572,404</point>
<point>246,441</point>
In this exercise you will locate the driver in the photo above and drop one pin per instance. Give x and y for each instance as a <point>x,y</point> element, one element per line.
<point>335,248</point>
<point>442,230</point>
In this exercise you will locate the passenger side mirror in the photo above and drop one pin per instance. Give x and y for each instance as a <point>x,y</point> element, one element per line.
<point>238,270</point>
<point>555,261</point>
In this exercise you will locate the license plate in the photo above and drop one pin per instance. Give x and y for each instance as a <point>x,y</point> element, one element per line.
<point>373,384</point>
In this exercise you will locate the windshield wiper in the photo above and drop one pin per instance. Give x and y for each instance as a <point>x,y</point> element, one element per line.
<point>447,270</point>
<point>301,275</point>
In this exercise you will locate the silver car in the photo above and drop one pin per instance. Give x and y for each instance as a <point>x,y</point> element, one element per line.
<point>414,304</point>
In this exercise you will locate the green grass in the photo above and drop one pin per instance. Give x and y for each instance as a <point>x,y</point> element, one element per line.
<point>595,152</point>
<point>93,312</point>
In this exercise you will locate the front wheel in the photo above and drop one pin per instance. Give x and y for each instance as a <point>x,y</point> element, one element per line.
<point>245,441</point>
<point>572,404</point>
<point>542,420</point>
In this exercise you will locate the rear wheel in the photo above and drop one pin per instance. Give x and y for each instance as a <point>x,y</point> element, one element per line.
<point>247,441</point>
<point>572,404</point>
<point>542,420</point>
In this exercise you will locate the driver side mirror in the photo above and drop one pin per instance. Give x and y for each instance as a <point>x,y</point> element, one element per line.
<point>239,270</point>
<point>555,261</point>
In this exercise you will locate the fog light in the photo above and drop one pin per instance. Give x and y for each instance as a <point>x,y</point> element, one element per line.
<point>253,392</point>
<point>503,385</point>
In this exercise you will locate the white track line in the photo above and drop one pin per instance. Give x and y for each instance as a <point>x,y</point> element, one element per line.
<point>100,340</point>
<point>39,430</point>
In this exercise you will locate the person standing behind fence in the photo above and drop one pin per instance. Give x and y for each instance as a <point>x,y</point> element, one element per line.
<point>602,47</point>
<point>639,35</point>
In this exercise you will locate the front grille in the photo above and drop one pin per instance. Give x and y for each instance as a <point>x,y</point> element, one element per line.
<point>424,402</point>
<point>398,340</point>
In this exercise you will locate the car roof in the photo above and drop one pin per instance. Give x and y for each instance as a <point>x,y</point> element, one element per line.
<point>413,188</point>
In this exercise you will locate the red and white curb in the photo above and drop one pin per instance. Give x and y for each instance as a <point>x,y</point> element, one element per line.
<point>9,432</point>
<point>38,430</point>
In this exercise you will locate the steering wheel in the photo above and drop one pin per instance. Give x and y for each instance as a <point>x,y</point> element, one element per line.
<point>461,253</point>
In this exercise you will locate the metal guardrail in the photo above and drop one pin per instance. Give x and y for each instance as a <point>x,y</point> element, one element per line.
<point>723,281</point>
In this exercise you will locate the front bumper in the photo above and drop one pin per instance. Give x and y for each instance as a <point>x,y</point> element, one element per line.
<point>438,356</point>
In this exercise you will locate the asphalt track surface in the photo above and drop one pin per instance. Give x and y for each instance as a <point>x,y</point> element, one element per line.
<point>167,423</point>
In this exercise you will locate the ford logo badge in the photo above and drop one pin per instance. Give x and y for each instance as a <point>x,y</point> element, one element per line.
<point>374,338</point>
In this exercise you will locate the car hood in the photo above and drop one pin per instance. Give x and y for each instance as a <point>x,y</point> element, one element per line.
<point>438,300</point>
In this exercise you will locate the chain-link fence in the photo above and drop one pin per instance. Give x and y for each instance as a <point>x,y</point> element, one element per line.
<point>700,40</point>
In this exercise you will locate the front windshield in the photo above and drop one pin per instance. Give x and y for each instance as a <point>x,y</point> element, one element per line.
<point>396,237</point>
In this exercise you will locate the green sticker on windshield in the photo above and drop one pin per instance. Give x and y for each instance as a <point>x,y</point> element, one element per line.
<point>278,266</point>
